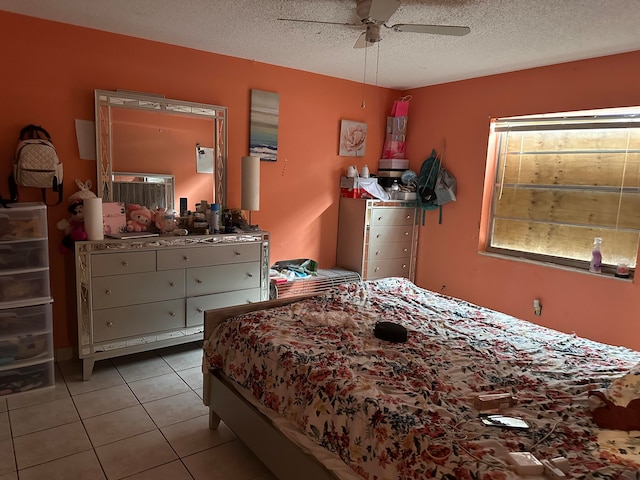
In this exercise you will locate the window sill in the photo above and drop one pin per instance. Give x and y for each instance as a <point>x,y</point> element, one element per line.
<point>556,266</point>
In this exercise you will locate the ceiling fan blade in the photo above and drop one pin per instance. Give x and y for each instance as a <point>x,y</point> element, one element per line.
<point>320,22</point>
<point>361,42</point>
<point>433,29</point>
<point>381,10</point>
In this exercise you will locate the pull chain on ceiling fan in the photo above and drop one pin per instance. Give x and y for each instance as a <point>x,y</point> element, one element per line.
<point>374,14</point>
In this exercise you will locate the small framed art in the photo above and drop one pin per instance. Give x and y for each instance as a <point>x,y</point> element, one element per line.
<point>353,136</point>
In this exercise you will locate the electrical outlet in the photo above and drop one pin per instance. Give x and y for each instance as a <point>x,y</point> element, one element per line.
<point>537,307</point>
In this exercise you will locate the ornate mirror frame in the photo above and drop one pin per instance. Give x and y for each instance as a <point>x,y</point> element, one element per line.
<point>105,101</point>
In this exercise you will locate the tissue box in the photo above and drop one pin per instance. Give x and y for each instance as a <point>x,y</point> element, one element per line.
<point>356,182</point>
<point>114,219</point>
<point>351,187</point>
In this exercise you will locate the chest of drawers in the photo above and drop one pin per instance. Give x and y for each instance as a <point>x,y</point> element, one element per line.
<point>377,238</point>
<point>136,295</point>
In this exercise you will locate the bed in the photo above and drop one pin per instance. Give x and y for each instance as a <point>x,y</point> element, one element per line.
<point>309,388</point>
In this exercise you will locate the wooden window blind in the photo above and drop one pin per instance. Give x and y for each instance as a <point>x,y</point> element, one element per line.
<point>562,180</point>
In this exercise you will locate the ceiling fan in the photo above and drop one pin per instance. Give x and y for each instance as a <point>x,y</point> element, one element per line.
<point>374,14</point>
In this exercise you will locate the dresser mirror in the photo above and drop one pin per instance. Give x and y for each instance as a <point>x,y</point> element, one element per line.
<point>152,150</point>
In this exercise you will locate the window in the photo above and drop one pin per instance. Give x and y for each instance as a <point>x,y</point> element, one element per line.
<point>563,179</point>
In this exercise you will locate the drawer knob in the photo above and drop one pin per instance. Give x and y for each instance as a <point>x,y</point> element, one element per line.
<point>405,250</point>
<point>199,310</point>
<point>238,253</point>
<point>125,264</point>
<point>404,266</point>
<point>378,236</point>
<point>250,275</point>
<point>109,324</point>
<point>198,280</point>
<point>379,219</point>
<point>108,292</point>
<point>173,314</point>
<point>406,234</point>
<point>377,268</point>
<point>186,258</point>
<point>408,217</point>
<point>172,284</point>
<point>377,252</point>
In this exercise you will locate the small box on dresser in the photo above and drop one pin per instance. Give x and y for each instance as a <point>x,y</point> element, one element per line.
<point>26,331</point>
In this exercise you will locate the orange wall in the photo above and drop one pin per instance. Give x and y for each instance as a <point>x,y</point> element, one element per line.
<point>299,192</point>
<point>604,309</point>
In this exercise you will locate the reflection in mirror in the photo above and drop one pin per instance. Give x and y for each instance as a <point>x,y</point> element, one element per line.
<point>153,191</point>
<point>158,139</point>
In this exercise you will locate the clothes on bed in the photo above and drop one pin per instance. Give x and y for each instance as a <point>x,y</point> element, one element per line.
<point>405,410</point>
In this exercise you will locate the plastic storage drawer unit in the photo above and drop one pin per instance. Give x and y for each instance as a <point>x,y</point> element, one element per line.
<point>26,331</point>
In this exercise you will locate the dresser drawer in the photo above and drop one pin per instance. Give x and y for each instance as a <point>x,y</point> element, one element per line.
<point>122,263</point>
<point>386,234</point>
<point>196,306</point>
<point>392,216</point>
<point>122,322</point>
<point>121,290</point>
<point>387,268</point>
<point>208,255</point>
<point>384,251</point>
<point>222,278</point>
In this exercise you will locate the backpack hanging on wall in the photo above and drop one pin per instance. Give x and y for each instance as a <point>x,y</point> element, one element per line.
<point>435,186</point>
<point>426,184</point>
<point>36,162</point>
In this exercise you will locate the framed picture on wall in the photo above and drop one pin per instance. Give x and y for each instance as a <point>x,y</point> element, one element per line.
<point>353,136</point>
<point>265,111</point>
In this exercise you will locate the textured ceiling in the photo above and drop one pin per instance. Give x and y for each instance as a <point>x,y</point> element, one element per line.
<point>506,35</point>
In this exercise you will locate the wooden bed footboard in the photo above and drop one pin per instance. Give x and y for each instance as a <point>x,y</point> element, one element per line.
<point>212,318</point>
<point>281,455</point>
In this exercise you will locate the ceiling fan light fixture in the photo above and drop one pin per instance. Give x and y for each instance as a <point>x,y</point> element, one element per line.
<point>373,33</point>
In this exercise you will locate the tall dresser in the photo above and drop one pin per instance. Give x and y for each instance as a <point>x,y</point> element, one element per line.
<point>140,294</point>
<point>26,332</point>
<point>377,238</point>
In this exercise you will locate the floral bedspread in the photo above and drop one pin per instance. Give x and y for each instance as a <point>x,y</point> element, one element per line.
<point>405,411</point>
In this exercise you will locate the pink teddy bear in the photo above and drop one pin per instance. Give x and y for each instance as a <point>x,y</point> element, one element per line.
<point>140,217</point>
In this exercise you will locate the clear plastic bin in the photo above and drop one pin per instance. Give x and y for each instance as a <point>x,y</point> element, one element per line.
<point>25,320</point>
<point>16,286</point>
<point>23,221</point>
<point>26,254</point>
<point>24,349</point>
<point>27,378</point>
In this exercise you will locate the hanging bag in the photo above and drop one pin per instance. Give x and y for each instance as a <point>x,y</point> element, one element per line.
<point>36,162</point>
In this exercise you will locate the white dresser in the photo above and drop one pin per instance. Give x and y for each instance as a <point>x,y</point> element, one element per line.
<point>136,295</point>
<point>377,238</point>
<point>26,332</point>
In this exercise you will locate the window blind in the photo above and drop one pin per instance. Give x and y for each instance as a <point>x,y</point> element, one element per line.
<point>562,180</point>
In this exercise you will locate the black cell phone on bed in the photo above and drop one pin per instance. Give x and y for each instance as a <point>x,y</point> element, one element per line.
<point>504,421</point>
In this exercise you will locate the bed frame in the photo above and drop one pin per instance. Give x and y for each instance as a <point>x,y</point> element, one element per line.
<point>281,455</point>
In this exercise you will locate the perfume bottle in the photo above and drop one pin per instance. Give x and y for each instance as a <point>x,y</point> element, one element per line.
<point>595,265</point>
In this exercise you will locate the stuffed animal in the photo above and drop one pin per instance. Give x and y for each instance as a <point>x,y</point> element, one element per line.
<point>84,191</point>
<point>73,228</point>
<point>140,218</point>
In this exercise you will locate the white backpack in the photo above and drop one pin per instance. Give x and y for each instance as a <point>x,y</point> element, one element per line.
<point>36,162</point>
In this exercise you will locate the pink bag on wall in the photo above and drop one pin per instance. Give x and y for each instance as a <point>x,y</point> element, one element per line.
<point>401,107</point>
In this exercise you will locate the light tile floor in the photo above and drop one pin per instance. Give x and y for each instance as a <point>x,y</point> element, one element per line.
<point>139,417</point>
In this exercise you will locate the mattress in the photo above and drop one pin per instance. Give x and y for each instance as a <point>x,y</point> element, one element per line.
<point>406,410</point>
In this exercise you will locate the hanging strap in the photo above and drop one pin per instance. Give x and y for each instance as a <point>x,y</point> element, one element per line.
<point>44,195</point>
